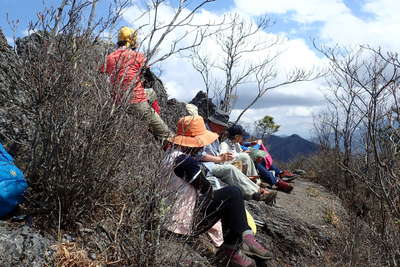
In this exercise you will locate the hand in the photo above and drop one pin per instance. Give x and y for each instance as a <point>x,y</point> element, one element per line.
<point>228,156</point>
<point>259,141</point>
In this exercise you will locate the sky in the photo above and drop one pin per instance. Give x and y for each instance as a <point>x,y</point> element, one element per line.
<point>296,22</point>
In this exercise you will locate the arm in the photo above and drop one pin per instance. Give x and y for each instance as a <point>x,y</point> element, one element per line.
<point>189,170</point>
<point>211,158</point>
<point>223,148</point>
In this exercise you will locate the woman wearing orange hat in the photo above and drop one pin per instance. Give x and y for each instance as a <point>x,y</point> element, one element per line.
<point>193,193</point>
<point>125,66</point>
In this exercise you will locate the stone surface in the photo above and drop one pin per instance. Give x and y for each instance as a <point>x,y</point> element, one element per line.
<point>204,104</point>
<point>301,226</point>
<point>21,245</point>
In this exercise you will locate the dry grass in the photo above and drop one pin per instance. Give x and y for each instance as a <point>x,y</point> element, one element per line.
<point>71,255</point>
<point>330,217</point>
<point>312,192</point>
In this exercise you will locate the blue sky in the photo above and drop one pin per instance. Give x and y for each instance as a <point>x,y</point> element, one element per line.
<point>26,10</point>
<point>298,22</point>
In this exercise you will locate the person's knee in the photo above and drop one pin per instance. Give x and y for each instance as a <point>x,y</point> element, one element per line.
<point>234,192</point>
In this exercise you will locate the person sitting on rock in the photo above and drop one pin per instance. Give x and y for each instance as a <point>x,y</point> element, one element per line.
<point>197,207</point>
<point>214,160</point>
<point>268,172</point>
<point>125,67</point>
<point>232,145</point>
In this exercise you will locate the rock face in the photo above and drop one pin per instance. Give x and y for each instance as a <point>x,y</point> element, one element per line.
<point>23,246</point>
<point>8,72</point>
<point>204,104</point>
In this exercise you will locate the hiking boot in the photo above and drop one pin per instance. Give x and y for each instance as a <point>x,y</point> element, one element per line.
<point>269,197</point>
<point>237,258</point>
<point>286,174</point>
<point>251,247</point>
<point>284,186</point>
<point>263,185</point>
<point>299,172</point>
<point>288,180</point>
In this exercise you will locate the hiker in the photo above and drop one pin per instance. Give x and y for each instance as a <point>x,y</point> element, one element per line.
<point>12,183</point>
<point>125,67</point>
<point>268,172</point>
<point>200,205</point>
<point>214,160</point>
<point>232,145</point>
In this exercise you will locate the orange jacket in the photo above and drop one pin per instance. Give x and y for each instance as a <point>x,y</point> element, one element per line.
<point>123,66</point>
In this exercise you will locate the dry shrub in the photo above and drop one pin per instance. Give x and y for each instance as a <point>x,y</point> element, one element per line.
<point>70,255</point>
<point>90,164</point>
<point>369,236</point>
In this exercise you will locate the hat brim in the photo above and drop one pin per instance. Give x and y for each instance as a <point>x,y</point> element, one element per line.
<point>212,119</point>
<point>195,141</point>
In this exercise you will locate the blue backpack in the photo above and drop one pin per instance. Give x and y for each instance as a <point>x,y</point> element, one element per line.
<point>12,183</point>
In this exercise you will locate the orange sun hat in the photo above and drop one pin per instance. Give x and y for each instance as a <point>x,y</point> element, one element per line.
<point>192,132</point>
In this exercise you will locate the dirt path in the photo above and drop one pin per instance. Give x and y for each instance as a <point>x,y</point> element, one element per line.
<point>311,203</point>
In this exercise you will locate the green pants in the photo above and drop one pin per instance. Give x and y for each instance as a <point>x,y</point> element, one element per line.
<point>156,124</point>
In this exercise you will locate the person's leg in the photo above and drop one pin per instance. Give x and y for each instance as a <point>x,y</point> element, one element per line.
<point>265,174</point>
<point>151,95</point>
<point>229,174</point>
<point>276,170</point>
<point>228,205</point>
<point>156,124</point>
<point>251,168</point>
<point>152,98</point>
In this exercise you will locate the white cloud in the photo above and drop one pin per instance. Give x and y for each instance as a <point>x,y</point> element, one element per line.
<point>339,23</point>
<point>304,11</point>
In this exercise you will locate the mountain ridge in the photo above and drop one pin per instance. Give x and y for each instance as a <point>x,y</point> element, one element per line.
<point>288,148</point>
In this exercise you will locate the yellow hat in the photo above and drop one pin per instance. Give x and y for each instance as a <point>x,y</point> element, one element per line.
<point>129,35</point>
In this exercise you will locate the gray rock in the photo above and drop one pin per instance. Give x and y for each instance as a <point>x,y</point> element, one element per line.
<point>23,246</point>
<point>204,104</point>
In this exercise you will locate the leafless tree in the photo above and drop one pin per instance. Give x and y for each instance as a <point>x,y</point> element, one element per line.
<point>246,57</point>
<point>363,99</point>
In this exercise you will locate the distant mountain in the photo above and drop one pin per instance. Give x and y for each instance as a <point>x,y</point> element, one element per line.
<point>289,147</point>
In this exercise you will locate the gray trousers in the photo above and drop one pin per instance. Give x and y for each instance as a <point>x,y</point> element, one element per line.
<point>230,175</point>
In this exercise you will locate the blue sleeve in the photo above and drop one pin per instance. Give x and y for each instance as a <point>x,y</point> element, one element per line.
<point>257,146</point>
<point>245,148</point>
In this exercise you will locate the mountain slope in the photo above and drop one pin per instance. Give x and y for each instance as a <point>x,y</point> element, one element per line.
<point>288,148</point>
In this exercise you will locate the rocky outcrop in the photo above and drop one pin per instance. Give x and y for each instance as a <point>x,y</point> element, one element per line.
<point>8,74</point>
<point>204,104</point>
<point>21,245</point>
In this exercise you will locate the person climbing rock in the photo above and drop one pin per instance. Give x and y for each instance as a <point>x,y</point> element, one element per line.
<point>201,206</point>
<point>125,67</point>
